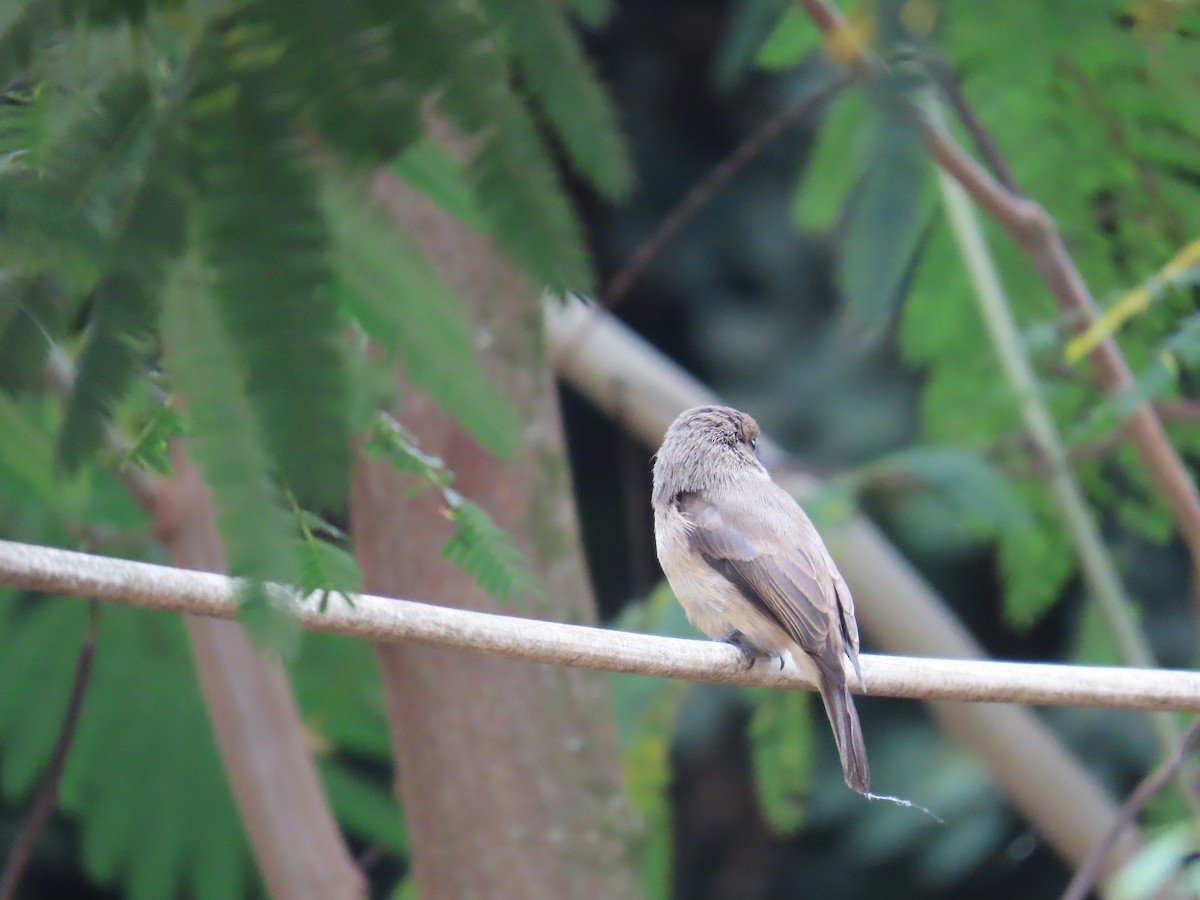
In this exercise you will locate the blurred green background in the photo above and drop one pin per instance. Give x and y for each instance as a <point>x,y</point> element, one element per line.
<point>820,290</point>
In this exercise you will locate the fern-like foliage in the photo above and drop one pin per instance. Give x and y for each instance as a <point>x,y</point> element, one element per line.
<point>781,740</point>
<point>193,843</point>
<point>511,171</point>
<point>339,63</point>
<point>478,546</point>
<point>549,58</point>
<point>32,313</point>
<point>125,304</point>
<point>402,303</point>
<point>326,567</point>
<point>263,235</point>
<point>1108,101</point>
<point>227,442</point>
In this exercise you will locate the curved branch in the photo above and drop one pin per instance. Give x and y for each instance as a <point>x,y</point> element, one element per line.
<point>1091,871</point>
<point>1035,232</point>
<point>36,568</point>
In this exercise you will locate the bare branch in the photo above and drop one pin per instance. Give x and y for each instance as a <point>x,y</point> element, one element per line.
<point>47,796</point>
<point>1035,232</point>
<point>1093,867</point>
<point>716,179</point>
<point>257,726</point>
<point>385,619</point>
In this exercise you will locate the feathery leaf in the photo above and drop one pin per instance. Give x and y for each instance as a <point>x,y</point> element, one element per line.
<point>339,61</point>
<point>126,303</point>
<point>486,553</point>
<point>32,313</point>
<point>224,436</point>
<point>479,547</point>
<point>511,171</point>
<point>265,241</point>
<point>536,34</point>
<point>402,303</point>
<point>781,738</point>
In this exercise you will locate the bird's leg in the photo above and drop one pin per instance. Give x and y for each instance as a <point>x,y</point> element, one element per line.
<point>737,639</point>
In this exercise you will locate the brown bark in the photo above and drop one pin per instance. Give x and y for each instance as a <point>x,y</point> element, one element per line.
<point>296,841</point>
<point>1037,235</point>
<point>507,772</point>
<point>293,834</point>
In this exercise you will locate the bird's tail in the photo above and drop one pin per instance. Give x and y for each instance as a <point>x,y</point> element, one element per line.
<point>847,732</point>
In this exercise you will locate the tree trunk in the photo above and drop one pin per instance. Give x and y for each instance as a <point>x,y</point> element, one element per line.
<point>293,834</point>
<point>507,771</point>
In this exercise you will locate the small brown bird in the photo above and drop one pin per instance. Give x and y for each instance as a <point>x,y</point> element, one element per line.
<point>748,566</point>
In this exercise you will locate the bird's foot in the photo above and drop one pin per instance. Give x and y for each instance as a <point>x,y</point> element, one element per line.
<point>737,639</point>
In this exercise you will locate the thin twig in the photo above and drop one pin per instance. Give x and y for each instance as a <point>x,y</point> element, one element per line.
<point>1035,232</point>
<point>384,619</point>
<point>1093,867</point>
<point>1099,571</point>
<point>706,188</point>
<point>951,90</point>
<point>1179,409</point>
<point>47,797</point>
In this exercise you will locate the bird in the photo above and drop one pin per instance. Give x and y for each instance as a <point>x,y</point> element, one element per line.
<point>749,568</point>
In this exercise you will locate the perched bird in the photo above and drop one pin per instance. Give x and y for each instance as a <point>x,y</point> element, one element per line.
<point>748,566</point>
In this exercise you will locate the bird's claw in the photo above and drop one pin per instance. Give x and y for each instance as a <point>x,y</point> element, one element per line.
<point>737,639</point>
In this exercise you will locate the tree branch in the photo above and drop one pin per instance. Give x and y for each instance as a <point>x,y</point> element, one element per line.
<point>716,179</point>
<point>1035,232</point>
<point>47,796</point>
<point>1090,872</point>
<point>256,723</point>
<point>36,568</point>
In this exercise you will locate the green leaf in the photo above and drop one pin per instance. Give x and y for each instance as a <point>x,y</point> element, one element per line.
<point>978,497</point>
<point>324,567</point>
<point>339,61</point>
<point>266,243</point>
<point>792,39</point>
<point>26,461</point>
<point>835,164</point>
<point>402,303</point>
<point>27,26</point>
<point>432,169</point>
<point>100,141</point>
<point>487,554</point>
<point>750,24</point>
<point>556,72</point>
<point>32,314</point>
<point>337,685</point>
<point>126,305</point>
<point>1035,561</point>
<point>592,13</point>
<point>150,448</point>
<point>1094,644</point>
<point>368,811</point>
<point>888,215</point>
<point>225,439</point>
<point>781,736</point>
<point>449,47</point>
<point>41,234</point>
<point>142,743</point>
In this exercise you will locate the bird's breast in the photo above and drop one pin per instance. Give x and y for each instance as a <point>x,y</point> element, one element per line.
<point>711,601</point>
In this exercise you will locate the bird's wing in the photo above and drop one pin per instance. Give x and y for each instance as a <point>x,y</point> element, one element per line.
<point>789,583</point>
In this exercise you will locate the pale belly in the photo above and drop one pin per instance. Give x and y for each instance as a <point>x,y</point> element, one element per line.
<point>713,604</point>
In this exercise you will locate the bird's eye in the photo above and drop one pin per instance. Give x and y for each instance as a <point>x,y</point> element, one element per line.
<point>753,442</point>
